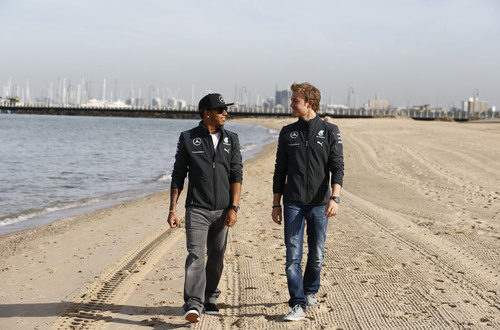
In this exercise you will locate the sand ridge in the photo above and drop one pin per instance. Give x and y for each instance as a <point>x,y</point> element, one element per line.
<point>415,245</point>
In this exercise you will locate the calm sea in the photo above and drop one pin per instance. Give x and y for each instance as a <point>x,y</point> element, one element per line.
<point>58,166</point>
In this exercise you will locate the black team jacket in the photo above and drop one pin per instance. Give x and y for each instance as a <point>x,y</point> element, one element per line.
<point>307,153</point>
<point>211,172</point>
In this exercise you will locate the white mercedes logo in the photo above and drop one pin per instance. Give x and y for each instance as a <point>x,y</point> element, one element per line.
<point>197,141</point>
<point>221,99</point>
<point>294,134</point>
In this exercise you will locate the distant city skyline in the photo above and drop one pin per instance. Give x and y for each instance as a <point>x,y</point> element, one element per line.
<point>408,52</point>
<point>66,91</point>
<point>86,92</point>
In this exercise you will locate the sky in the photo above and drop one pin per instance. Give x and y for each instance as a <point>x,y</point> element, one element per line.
<point>410,52</point>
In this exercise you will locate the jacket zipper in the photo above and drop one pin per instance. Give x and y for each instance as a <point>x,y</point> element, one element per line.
<point>307,164</point>
<point>215,196</point>
<point>214,173</point>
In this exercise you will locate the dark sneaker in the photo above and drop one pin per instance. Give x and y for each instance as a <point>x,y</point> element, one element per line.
<point>192,316</point>
<point>297,313</point>
<point>311,300</point>
<point>211,309</point>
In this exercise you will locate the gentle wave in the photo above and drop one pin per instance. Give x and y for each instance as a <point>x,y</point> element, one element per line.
<point>32,214</point>
<point>161,178</point>
<point>165,177</point>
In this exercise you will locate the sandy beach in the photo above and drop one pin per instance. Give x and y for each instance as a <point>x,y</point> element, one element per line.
<point>416,245</point>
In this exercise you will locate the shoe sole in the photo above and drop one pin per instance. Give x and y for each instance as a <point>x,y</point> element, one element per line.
<point>294,319</point>
<point>192,317</point>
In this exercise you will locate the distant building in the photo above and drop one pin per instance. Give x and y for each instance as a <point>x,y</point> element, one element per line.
<point>181,104</point>
<point>156,102</point>
<point>476,106</point>
<point>283,97</point>
<point>377,104</point>
<point>268,103</point>
<point>336,106</point>
<point>172,102</point>
<point>279,108</point>
<point>425,107</point>
<point>465,106</point>
<point>93,103</point>
<point>176,104</point>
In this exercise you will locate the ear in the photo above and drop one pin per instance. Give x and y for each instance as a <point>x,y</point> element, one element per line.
<point>206,114</point>
<point>311,104</point>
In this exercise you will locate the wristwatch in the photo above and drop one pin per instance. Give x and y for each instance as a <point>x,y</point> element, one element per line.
<point>336,199</point>
<point>236,208</point>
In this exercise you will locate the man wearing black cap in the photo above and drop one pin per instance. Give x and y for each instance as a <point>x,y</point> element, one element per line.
<point>211,156</point>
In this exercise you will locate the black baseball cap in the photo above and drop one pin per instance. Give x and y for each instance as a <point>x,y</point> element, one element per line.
<point>212,101</point>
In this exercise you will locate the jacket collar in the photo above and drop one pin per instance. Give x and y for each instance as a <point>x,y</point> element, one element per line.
<point>311,123</point>
<point>205,130</point>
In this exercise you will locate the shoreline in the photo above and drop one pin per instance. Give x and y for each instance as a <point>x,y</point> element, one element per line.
<point>8,239</point>
<point>415,245</point>
<point>33,218</point>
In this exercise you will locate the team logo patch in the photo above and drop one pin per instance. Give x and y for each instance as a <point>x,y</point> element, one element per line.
<point>226,140</point>
<point>221,99</point>
<point>197,141</point>
<point>321,133</point>
<point>294,134</point>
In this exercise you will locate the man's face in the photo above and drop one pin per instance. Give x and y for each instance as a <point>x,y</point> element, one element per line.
<point>299,107</point>
<point>216,117</point>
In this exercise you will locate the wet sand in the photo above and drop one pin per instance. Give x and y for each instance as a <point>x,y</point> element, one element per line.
<point>416,245</point>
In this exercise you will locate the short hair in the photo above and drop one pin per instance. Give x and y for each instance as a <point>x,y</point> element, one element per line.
<point>308,92</point>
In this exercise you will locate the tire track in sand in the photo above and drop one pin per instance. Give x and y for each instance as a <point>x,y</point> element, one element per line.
<point>102,299</point>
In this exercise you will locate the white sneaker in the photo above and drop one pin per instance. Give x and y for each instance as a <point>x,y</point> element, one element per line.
<point>311,300</point>
<point>297,313</point>
<point>192,316</point>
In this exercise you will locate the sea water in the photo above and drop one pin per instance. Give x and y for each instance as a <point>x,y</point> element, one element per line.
<point>57,166</point>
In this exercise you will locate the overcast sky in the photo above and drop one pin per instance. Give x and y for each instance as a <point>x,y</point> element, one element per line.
<point>408,51</point>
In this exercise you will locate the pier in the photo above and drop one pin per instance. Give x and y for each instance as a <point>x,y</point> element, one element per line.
<point>240,111</point>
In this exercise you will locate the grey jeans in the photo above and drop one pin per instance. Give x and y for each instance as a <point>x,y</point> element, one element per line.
<point>204,228</point>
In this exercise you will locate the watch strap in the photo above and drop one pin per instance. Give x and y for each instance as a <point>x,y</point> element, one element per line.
<point>336,199</point>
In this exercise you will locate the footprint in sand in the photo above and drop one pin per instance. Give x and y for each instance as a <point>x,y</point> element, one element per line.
<point>369,295</point>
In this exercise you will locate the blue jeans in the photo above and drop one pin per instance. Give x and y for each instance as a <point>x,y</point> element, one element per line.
<point>295,218</point>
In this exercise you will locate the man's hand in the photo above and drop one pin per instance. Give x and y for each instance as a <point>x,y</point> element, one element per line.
<point>231,217</point>
<point>173,220</point>
<point>277,215</point>
<point>332,208</point>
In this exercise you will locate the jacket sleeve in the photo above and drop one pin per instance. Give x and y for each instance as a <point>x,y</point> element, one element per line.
<point>336,157</point>
<point>280,167</point>
<point>181,165</point>
<point>236,167</point>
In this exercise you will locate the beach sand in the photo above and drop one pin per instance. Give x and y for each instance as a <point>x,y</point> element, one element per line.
<point>416,244</point>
